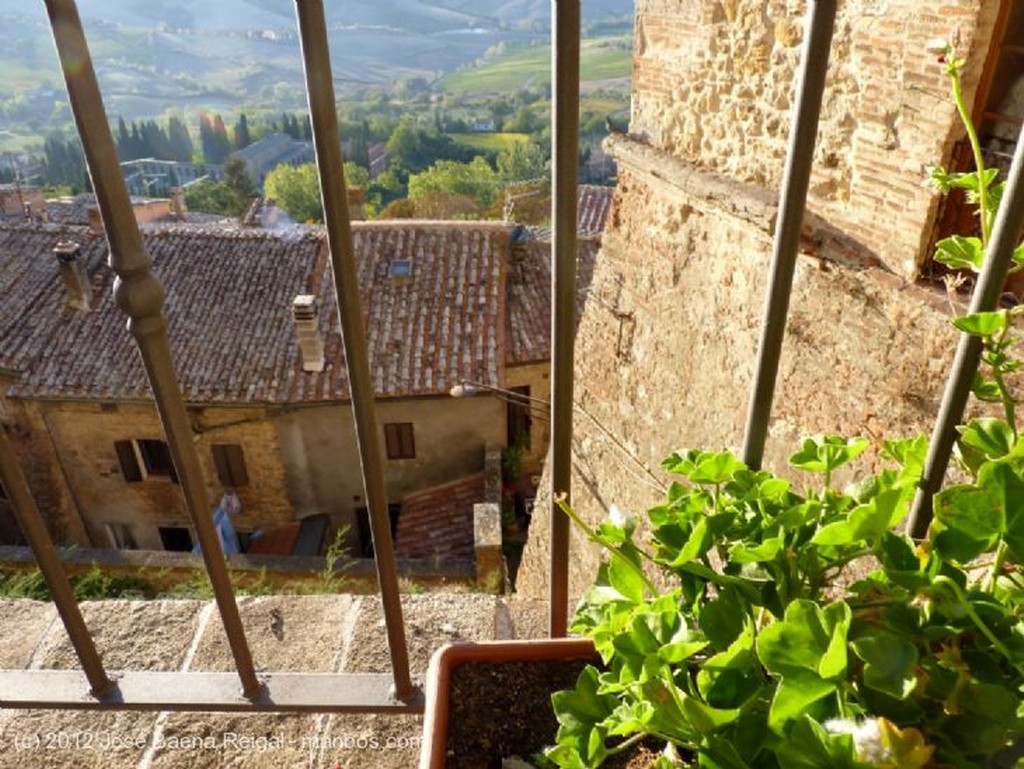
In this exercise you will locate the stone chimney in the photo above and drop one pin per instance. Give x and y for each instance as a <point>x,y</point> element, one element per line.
<point>95,220</point>
<point>72,272</point>
<point>305,313</point>
<point>178,207</point>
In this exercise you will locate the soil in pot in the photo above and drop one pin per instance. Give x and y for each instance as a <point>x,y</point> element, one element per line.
<point>502,709</point>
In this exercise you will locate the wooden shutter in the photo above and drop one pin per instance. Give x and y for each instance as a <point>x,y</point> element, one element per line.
<point>230,462</point>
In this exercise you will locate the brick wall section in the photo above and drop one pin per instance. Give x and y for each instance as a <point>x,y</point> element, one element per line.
<point>714,82</point>
<point>438,522</point>
<point>865,354</point>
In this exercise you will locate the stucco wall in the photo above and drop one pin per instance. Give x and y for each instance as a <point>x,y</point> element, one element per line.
<point>713,83</point>
<point>321,458</point>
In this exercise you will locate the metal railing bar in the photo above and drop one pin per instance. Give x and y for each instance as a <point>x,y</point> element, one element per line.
<point>26,512</point>
<point>565,65</point>
<point>142,690</point>
<point>140,295</point>
<point>796,179</point>
<point>1005,235</point>
<point>326,140</point>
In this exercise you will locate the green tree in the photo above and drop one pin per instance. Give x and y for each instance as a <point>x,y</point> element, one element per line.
<point>237,178</point>
<point>213,197</point>
<point>475,179</point>
<point>523,160</point>
<point>296,191</point>
<point>242,137</point>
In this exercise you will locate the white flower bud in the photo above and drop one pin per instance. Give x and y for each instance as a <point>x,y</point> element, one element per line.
<point>621,519</point>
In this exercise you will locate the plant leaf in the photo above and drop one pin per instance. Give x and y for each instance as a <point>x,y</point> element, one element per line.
<point>960,253</point>
<point>889,663</point>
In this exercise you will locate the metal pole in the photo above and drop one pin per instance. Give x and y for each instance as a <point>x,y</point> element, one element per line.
<point>565,66</point>
<point>999,257</point>
<point>795,181</point>
<point>323,115</point>
<point>27,514</point>
<point>138,292</point>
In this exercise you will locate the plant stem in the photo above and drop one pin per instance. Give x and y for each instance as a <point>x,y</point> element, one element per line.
<point>979,623</point>
<point>595,538</point>
<point>979,160</point>
<point>997,566</point>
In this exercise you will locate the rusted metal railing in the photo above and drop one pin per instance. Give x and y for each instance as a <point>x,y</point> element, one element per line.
<point>565,65</point>
<point>795,182</point>
<point>320,89</point>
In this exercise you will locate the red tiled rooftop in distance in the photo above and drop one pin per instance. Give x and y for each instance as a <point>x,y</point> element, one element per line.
<point>228,309</point>
<point>439,521</point>
<point>528,322</point>
<point>592,206</point>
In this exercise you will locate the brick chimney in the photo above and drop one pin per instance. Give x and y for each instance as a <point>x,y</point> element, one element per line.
<point>72,272</point>
<point>305,312</point>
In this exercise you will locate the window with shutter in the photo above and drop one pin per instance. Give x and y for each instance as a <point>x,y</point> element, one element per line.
<point>399,441</point>
<point>230,462</point>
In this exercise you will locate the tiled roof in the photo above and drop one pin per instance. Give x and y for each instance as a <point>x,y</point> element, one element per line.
<point>439,521</point>
<point>592,206</point>
<point>75,210</point>
<point>528,321</point>
<point>228,307</point>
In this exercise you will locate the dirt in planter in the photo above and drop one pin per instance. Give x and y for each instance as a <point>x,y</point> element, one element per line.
<point>502,709</point>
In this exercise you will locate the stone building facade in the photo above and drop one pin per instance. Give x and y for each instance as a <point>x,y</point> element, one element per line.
<point>665,353</point>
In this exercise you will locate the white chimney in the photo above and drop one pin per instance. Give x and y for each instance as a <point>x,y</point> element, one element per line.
<point>305,312</point>
<point>72,272</point>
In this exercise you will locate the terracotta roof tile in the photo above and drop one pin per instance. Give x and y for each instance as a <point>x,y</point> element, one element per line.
<point>528,320</point>
<point>592,206</point>
<point>229,295</point>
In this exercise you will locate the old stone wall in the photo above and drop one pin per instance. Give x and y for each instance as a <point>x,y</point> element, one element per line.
<point>665,356</point>
<point>714,83</point>
<point>70,457</point>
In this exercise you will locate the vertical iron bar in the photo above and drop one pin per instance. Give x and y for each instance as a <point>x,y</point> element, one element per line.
<point>324,119</point>
<point>810,87</point>
<point>27,514</point>
<point>565,65</point>
<point>999,257</point>
<point>141,296</point>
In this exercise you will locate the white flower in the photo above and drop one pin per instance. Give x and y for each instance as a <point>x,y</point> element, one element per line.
<point>938,45</point>
<point>867,739</point>
<point>621,519</point>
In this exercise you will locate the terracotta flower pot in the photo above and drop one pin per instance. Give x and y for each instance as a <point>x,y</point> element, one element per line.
<point>434,752</point>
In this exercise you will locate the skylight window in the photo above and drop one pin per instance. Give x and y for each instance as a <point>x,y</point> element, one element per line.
<point>400,268</point>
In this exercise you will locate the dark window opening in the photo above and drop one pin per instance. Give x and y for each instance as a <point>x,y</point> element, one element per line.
<point>176,538</point>
<point>156,457</point>
<point>365,533</point>
<point>144,458</point>
<point>399,441</point>
<point>518,419</point>
<point>230,462</point>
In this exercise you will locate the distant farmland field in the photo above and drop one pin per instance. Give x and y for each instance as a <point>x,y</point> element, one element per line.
<point>526,66</point>
<point>494,142</point>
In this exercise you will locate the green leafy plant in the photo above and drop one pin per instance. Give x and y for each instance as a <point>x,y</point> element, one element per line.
<point>766,651</point>
<point>981,186</point>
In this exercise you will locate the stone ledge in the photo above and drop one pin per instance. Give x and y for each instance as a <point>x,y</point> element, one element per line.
<point>712,192</point>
